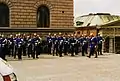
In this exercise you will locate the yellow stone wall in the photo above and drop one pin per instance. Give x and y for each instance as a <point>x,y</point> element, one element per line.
<point>87,32</point>
<point>23,12</point>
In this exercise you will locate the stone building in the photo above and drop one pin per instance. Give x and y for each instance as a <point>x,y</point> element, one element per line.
<point>104,23</point>
<point>36,16</point>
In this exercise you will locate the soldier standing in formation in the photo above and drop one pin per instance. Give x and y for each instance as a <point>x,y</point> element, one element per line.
<point>49,43</point>
<point>55,45</point>
<point>59,44</point>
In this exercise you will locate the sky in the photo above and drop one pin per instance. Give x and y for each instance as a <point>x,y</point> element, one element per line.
<point>84,7</point>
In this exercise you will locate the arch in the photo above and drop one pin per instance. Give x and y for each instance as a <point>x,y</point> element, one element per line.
<point>4,15</point>
<point>43,16</point>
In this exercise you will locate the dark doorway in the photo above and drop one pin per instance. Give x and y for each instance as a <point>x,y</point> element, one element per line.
<point>4,15</point>
<point>117,44</point>
<point>43,16</point>
<point>106,44</point>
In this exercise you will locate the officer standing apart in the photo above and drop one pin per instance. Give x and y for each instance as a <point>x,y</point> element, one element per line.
<point>93,46</point>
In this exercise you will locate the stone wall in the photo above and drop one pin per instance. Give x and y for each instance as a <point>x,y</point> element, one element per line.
<point>23,12</point>
<point>83,31</point>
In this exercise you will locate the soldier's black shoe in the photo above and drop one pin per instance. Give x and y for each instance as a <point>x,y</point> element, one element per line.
<point>72,55</point>
<point>65,54</point>
<point>88,56</point>
<point>19,59</point>
<point>96,57</point>
<point>37,57</point>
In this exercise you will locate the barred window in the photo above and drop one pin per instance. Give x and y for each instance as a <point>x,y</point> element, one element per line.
<point>4,15</point>
<point>43,16</point>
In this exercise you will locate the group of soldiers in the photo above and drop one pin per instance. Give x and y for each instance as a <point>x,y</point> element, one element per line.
<point>54,44</point>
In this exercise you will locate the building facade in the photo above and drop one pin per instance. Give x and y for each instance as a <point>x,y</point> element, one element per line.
<point>40,15</point>
<point>104,23</point>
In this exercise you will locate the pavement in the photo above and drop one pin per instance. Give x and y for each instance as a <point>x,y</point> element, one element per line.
<point>48,68</point>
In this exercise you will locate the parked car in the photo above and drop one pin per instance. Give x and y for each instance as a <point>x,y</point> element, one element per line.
<point>6,71</point>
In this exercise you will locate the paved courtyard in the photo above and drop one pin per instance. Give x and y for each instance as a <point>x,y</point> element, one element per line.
<point>49,68</point>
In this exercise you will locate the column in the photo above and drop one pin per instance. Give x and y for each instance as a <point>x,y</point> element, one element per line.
<point>111,45</point>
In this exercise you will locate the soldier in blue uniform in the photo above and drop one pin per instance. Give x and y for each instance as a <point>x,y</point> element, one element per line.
<point>19,47</point>
<point>24,44</point>
<point>100,40</point>
<point>55,45</point>
<point>84,45</point>
<point>69,45</point>
<point>93,46</point>
<point>66,44</point>
<point>49,43</point>
<point>15,45</point>
<point>33,40</point>
<point>38,47</point>
<point>77,44</point>
<point>29,46</point>
<point>60,44</point>
<point>3,47</point>
<point>72,45</point>
<point>11,45</point>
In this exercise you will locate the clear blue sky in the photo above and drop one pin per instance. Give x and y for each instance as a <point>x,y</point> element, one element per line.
<point>82,7</point>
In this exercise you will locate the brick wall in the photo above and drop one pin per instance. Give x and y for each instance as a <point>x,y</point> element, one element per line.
<point>23,12</point>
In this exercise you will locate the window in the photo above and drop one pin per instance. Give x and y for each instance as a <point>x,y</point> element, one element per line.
<point>4,15</point>
<point>43,17</point>
<point>78,23</point>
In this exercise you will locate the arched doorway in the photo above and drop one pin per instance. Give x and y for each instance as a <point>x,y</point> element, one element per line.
<point>43,16</point>
<point>4,15</point>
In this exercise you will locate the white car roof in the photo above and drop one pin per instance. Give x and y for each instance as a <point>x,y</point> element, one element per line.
<point>5,68</point>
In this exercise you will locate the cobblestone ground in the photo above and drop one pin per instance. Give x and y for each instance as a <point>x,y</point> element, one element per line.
<point>49,68</point>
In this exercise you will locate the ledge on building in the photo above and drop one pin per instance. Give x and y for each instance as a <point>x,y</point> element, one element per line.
<point>8,29</point>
